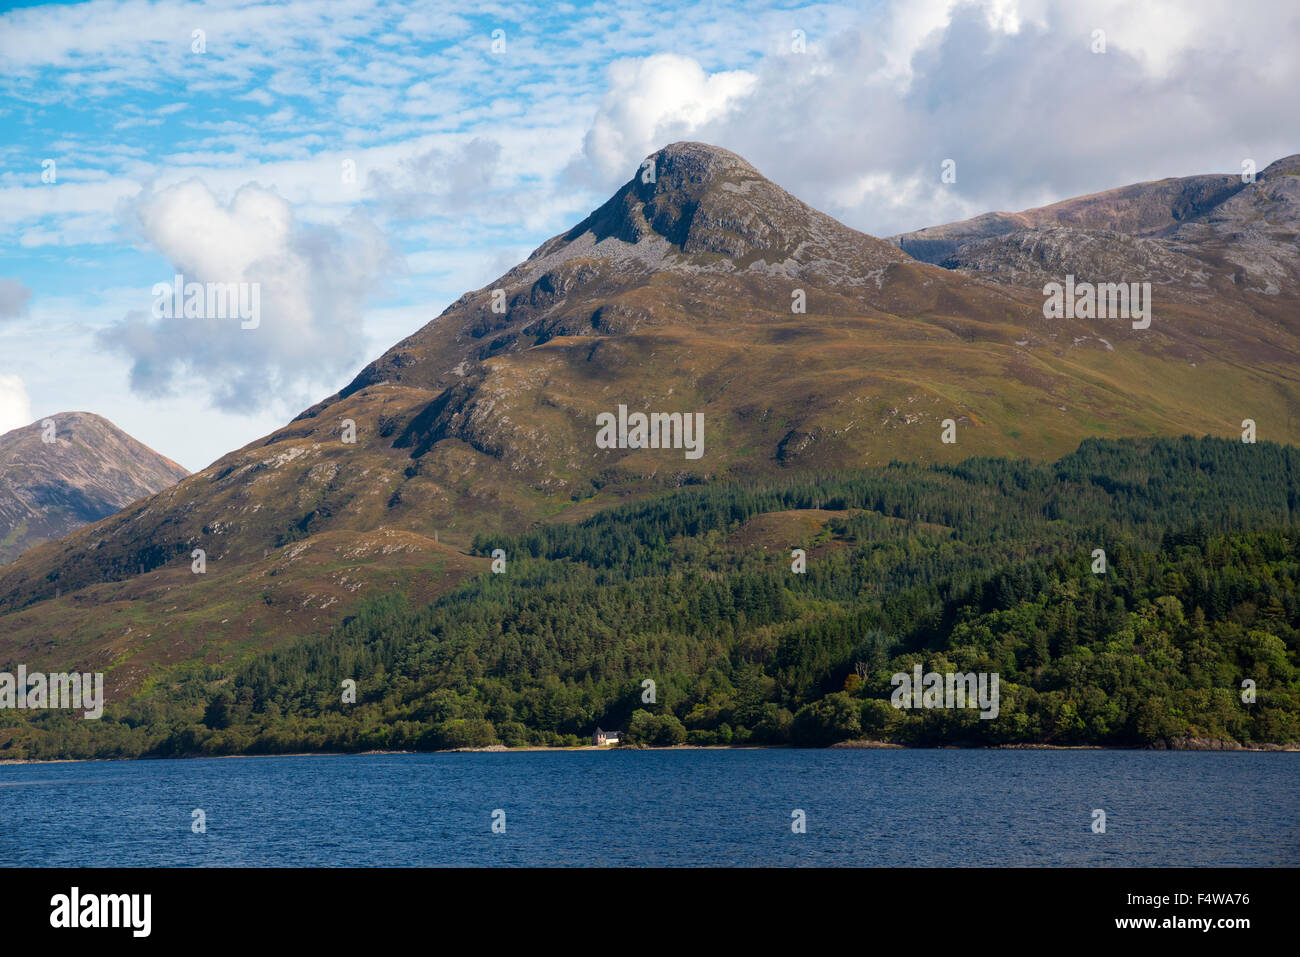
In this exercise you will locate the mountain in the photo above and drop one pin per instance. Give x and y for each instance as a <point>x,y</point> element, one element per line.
<point>680,294</point>
<point>1204,239</point>
<point>84,468</point>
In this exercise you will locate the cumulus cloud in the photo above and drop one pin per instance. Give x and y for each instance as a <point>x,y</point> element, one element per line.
<point>15,406</point>
<point>1011,90</point>
<point>14,297</point>
<point>312,280</point>
<point>653,101</point>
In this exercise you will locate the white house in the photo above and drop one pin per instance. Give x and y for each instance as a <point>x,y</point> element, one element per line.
<point>604,737</point>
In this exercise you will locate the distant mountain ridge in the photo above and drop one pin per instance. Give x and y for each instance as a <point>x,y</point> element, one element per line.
<point>1199,236</point>
<point>90,470</point>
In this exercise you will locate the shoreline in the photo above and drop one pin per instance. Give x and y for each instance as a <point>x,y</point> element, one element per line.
<point>855,745</point>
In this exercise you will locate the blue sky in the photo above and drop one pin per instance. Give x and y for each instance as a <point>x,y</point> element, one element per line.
<point>229,162</point>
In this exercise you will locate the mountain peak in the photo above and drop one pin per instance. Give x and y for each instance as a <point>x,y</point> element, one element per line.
<point>693,162</point>
<point>672,189</point>
<point>53,480</point>
<point>692,206</point>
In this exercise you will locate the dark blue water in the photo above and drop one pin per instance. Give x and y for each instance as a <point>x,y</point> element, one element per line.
<point>863,808</point>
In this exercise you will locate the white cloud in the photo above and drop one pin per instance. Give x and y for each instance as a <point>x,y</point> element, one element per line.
<point>653,101</point>
<point>1009,90</point>
<point>15,407</point>
<point>314,281</point>
<point>14,297</point>
<point>438,180</point>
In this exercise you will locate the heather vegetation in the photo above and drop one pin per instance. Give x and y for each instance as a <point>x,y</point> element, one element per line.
<point>984,566</point>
